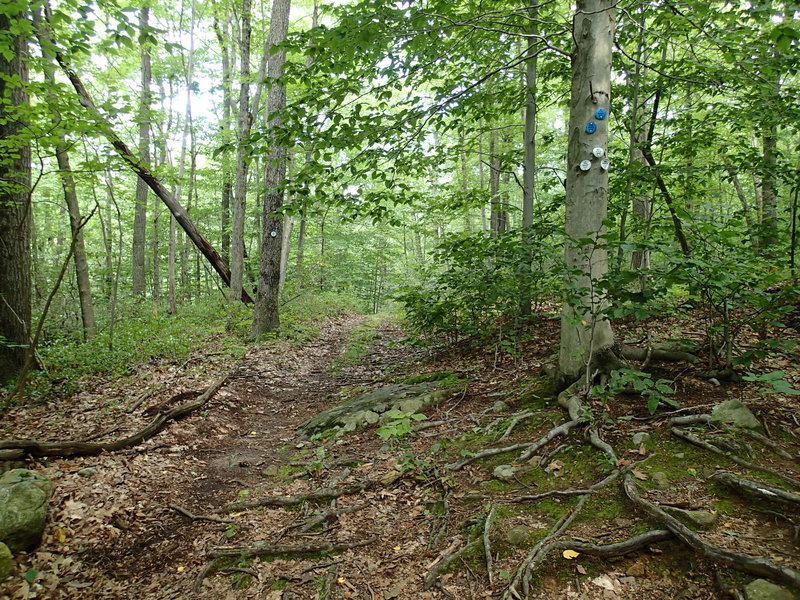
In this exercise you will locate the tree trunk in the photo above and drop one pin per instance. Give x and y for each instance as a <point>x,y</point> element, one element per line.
<point>529,166</point>
<point>286,238</point>
<point>586,335</point>
<point>227,110</point>
<point>494,185</point>
<point>140,218</point>
<point>73,209</point>
<point>242,158</point>
<point>15,207</point>
<point>265,317</point>
<point>769,225</point>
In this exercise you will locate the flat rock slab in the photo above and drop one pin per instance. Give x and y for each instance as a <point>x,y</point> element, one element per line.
<point>374,407</point>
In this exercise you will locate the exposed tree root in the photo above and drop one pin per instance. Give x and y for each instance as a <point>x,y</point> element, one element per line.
<point>315,496</point>
<point>324,516</point>
<point>14,449</point>
<point>258,549</point>
<point>759,490</point>
<point>693,439</point>
<point>755,566</point>
<point>618,548</point>
<point>657,352</point>
<point>514,422</point>
<point>487,546</point>
<point>195,517</point>
<point>518,587</point>
<point>457,549</point>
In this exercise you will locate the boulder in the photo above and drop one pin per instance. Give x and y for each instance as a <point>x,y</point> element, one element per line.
<point>505,472</point>
<point>373,407</point>
<point>733,412</point>
<point>24,498</point>
<point>761,589</point>
<point>6,562</point>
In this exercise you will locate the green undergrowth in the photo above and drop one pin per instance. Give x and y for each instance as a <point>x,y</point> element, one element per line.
<point>140,336</point>
<point>358,343</point>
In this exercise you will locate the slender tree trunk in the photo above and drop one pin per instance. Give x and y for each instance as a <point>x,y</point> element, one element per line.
<point>227,110</point>
<point>266,317</point>
<point>140,218</point>
<point>74,211</point>
<point>15,207</point>
<point>242,159</point>
<point>529,166</point>
<point>286,238</point>
<point>769,225</point>
<point>586,335</point>
<point>494,185</point>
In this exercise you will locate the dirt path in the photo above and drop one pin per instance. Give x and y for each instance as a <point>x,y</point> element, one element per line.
<point>115,531</point>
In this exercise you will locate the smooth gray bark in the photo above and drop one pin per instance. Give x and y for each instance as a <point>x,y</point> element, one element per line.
<point>266,317</point>
<point>140,218</point>
<point>586,335</point>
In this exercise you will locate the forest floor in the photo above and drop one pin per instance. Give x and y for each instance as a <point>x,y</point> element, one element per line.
<point>398,519</point>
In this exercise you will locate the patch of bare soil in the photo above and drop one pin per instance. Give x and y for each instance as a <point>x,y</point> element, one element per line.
<point>228,503</point>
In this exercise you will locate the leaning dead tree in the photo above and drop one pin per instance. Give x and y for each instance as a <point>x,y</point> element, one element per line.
<point>181,216</point>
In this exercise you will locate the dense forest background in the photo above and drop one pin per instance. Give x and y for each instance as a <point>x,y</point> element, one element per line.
<point>418,155</point>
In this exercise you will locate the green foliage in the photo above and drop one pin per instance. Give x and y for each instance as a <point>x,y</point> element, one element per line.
<point>774,383</point>
<point>399,425</point>
<point>624,380</point>
<point>477,283</point>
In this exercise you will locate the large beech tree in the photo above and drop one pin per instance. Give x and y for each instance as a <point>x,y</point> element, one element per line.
<point>586,335</point>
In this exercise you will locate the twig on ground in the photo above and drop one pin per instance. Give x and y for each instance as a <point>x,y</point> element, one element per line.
<point>755,566</point>
<point>447,556</point>
<point>324,516</point>
<point>514,422</point>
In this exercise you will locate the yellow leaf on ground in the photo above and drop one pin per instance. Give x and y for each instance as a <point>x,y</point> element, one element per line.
<point>570,554</point>
<point>61,537</point>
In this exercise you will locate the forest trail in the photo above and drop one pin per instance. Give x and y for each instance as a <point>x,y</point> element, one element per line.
<point>406,518</point>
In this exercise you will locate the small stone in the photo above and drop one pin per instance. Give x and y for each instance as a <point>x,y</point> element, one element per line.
<point>391,477</point>
<point>7,563</point>
<point>637,569</point>
<point>623,522</point>
<point>410,405</point>
<point>761,589</point>
<point>269,471</point>
<point>87,472</point>
<point>499,407</point>
<point>680,455</point>
<point>733,412</point>
<point>535,461</point>
<point>700,518</point>
<point>627,580</point>
<point>660,480</point>
<point>640,438</point>
<point>519,535</point>
<point>505,472</point>
<point>371,417</point>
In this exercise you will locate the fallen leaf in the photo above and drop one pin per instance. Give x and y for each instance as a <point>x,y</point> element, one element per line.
<point>570,554</point>
<point>640,475</point>
<point>580,569</point>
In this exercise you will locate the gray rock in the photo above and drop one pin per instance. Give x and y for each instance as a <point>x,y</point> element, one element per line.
<point>505,472</point>
<point>733,412</point>
<point>407,398</point>
<point>640,438</point>
<point>24,498</point>
<point>7,563</point>
<point>700,518</point>
<point>499,407</point>
<point>761,589</point>
<point>87,472</point>
<point>519,535</point>
<point>660,480</point>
